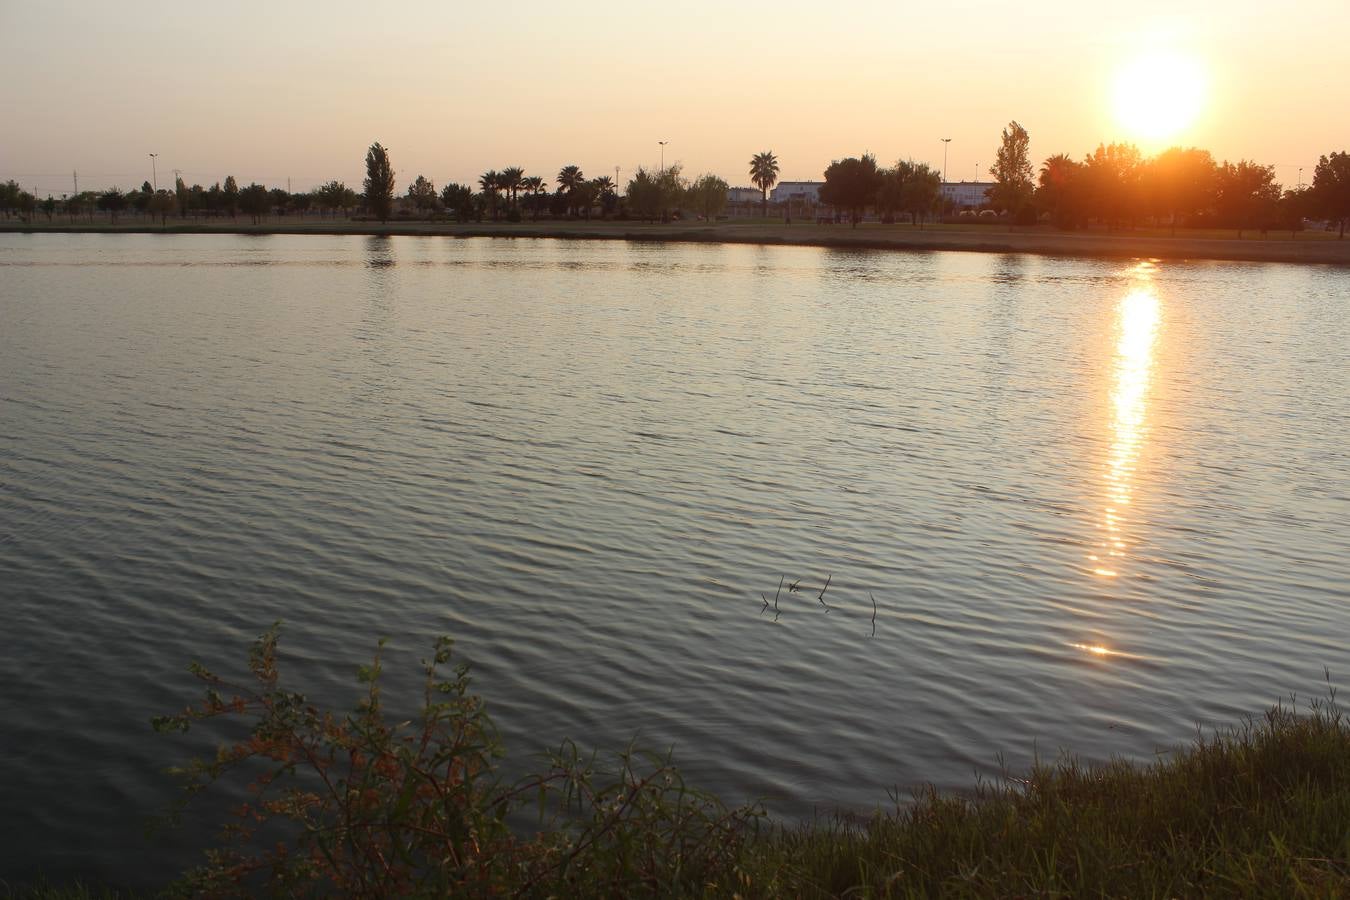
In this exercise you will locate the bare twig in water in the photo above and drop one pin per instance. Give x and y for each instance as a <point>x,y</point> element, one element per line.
<point>795,586</point>
<point>874,613</point>
<point>825,588</point>
<point>766,604</point>
<point>777,592</point>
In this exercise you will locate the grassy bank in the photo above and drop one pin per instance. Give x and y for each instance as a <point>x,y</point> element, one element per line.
<point>374,808</point>
<point>1307,247</point>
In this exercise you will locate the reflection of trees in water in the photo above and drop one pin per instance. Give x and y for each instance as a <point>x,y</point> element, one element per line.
<point>375,332</point>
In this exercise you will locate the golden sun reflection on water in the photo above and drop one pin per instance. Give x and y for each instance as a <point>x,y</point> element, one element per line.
<point>1138,316</point>
<point>1137,323</point>
<point>1102,652</point>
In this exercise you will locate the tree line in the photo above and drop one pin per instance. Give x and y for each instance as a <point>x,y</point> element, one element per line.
<point>1114,187</point>
<point>1117,186</point>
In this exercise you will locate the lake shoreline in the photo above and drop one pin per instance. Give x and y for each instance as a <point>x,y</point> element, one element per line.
<point>992,239</point>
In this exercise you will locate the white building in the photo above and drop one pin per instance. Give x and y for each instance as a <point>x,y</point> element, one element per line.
<point>796,191</point>
<point>966,194</point>
<point>744,195</point>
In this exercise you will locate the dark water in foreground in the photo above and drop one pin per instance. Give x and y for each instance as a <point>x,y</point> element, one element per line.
<point>1096,503</point>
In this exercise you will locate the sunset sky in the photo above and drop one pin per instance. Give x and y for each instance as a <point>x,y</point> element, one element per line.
<point>267,91</point>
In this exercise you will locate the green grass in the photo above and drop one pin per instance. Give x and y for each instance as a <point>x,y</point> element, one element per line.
<point>1260,811</point>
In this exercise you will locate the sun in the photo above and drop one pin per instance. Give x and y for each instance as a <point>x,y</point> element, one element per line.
<point>1159,94</point>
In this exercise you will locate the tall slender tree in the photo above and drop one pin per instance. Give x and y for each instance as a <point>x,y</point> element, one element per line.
<point>379,183</point>
<point>230,197</point>
<point>1012,170</point>
<point>764,173</point>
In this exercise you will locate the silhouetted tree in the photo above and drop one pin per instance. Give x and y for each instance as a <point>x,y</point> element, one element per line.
<point>140,200</point>
<point>9,197</point>
<point>1061,191</point>
<point>48,207</point>
<point>764,174</point>
<point>1112,178</point>
<point>335,195</point>
<point>534,187</point>
<point>1295,205</point>
<point>254,201</point>
<point>230,198</point>
<point>1181,183</point>
<point>569,179</point>
<point>161,204</point>
<point>708,195</point>
<point>379,183</point>
<point>278,200</point>
<point>852,184</point>
<point>1012,171</point>
<point>490,181</point>
<point>1247,194</point>
<point>509,180</point>
<point>113,202</point>
<point>1331,188</point>
<point>644,195</point>
<point>920,188</point>
<point>459,199</point>
<point>422,193</point>
<point>583,197</point>
<point>181,197</point>
<point>74,203</point>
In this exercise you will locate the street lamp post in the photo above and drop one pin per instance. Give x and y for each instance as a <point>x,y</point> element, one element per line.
<point>945,143</point>
<point>154,175</point>
<point>663,154</point>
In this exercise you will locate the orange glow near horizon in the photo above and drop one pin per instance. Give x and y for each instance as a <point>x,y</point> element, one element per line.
<point>1158,95</point>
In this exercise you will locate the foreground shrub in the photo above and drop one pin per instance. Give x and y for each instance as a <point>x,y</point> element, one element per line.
<point>353,804</point>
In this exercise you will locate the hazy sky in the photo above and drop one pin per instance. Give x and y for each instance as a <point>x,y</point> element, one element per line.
<point>267,91</point>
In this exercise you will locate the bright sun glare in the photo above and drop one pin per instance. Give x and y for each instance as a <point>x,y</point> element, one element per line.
<point>1159,94</point>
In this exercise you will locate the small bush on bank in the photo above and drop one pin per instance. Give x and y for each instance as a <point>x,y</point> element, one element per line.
<point>353,804</point>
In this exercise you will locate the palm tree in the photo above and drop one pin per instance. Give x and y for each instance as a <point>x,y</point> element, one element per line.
<point>569,179</point>
<point>533,185</point>
<point>607,192</point>
<point>764,173</point>
<point>490,181</point>
<point>510,180</point>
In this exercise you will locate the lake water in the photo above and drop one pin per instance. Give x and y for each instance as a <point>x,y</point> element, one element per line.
<point>1096,502</point>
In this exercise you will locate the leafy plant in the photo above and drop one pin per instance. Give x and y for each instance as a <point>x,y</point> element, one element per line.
<point>355,804</point>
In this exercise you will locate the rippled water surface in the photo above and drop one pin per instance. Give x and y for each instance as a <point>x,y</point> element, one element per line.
<point>1095,502</point>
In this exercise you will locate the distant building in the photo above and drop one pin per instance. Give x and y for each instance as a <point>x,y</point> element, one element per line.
<point>966,194</point>
<point>796,191</point>
<point>744,195</point>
